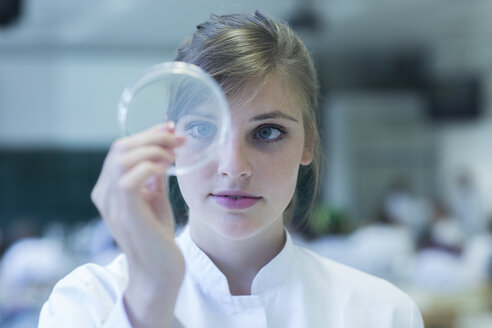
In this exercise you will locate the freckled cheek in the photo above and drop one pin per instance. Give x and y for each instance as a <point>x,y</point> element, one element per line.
<point>284,169</point>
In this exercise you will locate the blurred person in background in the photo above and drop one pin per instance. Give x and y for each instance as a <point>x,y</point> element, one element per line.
<point>28,270</point>
<point>93,242</point>
<point>477,254</point>
<point>444,230</point>
<point>467,204</point>
<point>35,261</point>
<point>21,227</point>
<point>386,246</point>
<point>22,280</point>
<point>449,258</point>
<point>402,206</point>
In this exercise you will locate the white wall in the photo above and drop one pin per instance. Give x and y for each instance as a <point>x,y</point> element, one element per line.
<point>66,98</point>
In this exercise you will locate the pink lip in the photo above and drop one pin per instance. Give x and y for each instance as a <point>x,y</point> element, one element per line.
<point>235,200</point>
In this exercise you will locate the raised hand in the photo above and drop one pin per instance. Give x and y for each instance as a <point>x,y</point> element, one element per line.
<point>131,197</point>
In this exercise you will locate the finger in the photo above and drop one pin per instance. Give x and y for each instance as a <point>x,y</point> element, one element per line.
<point>136,177</point>
<point>162,134</point>
<point>145,153</point>
<point>161,138</point>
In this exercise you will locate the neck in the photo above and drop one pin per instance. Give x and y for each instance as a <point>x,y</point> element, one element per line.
<point>239,259</point>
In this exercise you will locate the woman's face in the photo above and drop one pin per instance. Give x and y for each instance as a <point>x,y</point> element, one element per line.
<point>246,188</point>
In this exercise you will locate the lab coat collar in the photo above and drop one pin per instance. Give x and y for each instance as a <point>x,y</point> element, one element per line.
<point>213,282</point>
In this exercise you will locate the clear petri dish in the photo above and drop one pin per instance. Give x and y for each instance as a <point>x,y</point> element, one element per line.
<point>185,94</point>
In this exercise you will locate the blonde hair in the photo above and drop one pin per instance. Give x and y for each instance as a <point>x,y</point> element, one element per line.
<point>237,50</point>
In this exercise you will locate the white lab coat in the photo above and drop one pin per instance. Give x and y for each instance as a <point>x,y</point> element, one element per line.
<point>297,289</point>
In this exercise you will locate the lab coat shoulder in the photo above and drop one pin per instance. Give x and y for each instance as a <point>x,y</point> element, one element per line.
<point>361,297</point>
<point>90,296</point>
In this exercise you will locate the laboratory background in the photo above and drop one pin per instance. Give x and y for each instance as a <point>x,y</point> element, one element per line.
<point>405,117</point>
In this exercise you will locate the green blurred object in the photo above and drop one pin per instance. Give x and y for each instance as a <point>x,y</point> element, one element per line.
<point>328,220</point>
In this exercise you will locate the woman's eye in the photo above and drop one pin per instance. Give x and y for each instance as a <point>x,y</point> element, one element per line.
<point>268,133</point>
<point>201,130</point>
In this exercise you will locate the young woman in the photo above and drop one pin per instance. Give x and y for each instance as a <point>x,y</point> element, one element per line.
<point>234,265</point>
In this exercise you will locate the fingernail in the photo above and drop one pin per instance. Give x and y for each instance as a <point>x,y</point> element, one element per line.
<point>171,125</point>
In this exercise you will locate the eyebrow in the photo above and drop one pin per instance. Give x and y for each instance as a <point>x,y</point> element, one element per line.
<point>200,115</point>
<point>273,114</point>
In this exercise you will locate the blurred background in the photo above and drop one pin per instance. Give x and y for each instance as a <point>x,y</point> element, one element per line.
<point>406,119</point>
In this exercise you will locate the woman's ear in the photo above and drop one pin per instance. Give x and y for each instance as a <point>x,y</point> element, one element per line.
<point>307,152</point>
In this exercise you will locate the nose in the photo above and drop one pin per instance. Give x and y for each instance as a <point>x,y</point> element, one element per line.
<point>234,160</point>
